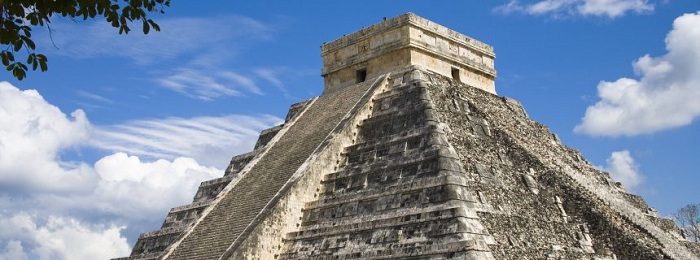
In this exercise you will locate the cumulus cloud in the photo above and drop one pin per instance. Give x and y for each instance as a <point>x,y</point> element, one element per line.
<point>666,95</point>
<point>129,191</point>
<point>32,130</point>
<point>53,209</point>
<point>126,180</point>
<point>59,238</point>
<point>559,8</point>
<point>13,251</point>
<point>624,169</point>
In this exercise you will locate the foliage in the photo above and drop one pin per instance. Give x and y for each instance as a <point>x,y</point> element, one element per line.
<point>18,17</point>
<point>688,219</point>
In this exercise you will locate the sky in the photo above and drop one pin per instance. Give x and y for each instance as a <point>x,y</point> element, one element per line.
<point>122,128</point>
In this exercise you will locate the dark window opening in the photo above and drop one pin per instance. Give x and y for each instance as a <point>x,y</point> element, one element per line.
<point>455,74</point>
<point>361,75</point>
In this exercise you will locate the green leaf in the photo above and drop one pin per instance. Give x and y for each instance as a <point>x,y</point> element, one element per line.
<point>33,19</point>
<point>17,45</point>
<point>146,27</point>
<point>19,71</point>
<point>5,60</point>
<point>92,12</point>
<point>4,36</point>
<point>154,25</point>
<point>43,65</point>
<point>42,62</point>
<point>19,17</point>
<point>28,42</point>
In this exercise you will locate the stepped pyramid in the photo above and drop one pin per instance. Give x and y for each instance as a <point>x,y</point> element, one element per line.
<point>410,154</point>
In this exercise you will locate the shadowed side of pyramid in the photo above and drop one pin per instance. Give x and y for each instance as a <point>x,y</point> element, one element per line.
<point>546,200</point>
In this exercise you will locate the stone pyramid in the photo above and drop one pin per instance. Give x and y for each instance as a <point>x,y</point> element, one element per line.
<point>410,154</point>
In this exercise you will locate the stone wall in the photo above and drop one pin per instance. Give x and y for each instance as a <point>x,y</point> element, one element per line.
<point>548,201</point>
<point>398,191</point>
<point>267,233</point>
<point>404,41</point>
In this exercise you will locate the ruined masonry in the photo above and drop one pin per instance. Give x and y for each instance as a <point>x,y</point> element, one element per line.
<point>410,154</point>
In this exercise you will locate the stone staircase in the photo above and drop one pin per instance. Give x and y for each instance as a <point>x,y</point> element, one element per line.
<point>152,245</point>
<point>398,191</point>
<point>242,202</point>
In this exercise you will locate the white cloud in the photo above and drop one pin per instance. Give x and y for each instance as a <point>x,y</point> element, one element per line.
<point>242,81</point>
<point>129,192</point>
<point>123,183</point>
<point>559,8</point>
<point>51,209</point>
<point>624,169</point>
<point>614,8</point>
<point>59,238</point>
<point>209,140</point>
<point>126,180</point>
<point>13,251</point>
<point>94,97</point>
<point>550,6</point>
<point>665,97</point>
<point>272,76</point>
<point>32,133</point>
<point>208,84</point>
<point>196,84</point>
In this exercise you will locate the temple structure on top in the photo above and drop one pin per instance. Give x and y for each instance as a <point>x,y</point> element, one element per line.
<point>404,41</point>
<point>410,154</point>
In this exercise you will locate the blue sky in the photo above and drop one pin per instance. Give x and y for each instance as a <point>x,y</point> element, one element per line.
<point>122,128</point>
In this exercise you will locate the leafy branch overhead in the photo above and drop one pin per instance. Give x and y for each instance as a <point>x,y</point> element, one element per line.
<point>18,17</point>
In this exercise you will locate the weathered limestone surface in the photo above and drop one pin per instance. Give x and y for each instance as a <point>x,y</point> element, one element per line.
<point>398,190</point>
<point>407,40</point>
<point>215,232</point>
<point>409,154</point>
<point>262,239</point>
<point>548,201</point>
